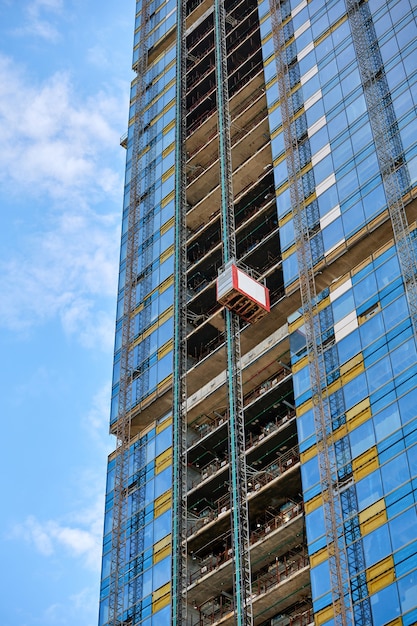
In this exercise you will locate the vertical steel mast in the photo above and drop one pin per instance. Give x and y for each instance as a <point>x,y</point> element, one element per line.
<point>237,472</point>
<point>118,561</point>
<point>339,571</point>
<point>179,447</point>
<point>388,145</point>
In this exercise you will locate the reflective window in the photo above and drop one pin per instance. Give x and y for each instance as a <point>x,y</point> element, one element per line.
<point>162,617</point>
<point>343,305</point>
<point>377,545</point>
<point>403,529</point>
<point>305,425</point>
<point>385,605</point>
<point>320,579</point>
<point>362,438</point>
<point>301,381</point>
<point>163,481</point>
<point>387,421</point>
<point>395,472</point>
<point>315,524</point>
<point>379,373</point>
<point>369,489</point>
<point>349,346</point>
<point>161,573</point>
<point>163,440</point>
<point>355,390</point>
<point>407,587</point>
<point>310,473</point>
<point>162,525</point>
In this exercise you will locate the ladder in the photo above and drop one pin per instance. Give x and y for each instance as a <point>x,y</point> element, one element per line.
<point>387,140</point>
<point>179,443</point>
<point>338,565</point>
<point>122,429</point>
<point>243,615</point>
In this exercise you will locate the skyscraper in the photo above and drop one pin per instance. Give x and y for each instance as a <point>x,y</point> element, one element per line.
<point>264,388</point>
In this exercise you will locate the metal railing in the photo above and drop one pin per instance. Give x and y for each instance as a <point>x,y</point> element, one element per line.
<point>214,562</point>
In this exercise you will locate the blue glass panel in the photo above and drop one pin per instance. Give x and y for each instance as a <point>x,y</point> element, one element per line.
<point>161,573</point>
<point>162,617</point>
<point>355,391</point>
<point>162,525</point>
<point>362,438</point>
<point>408,404</point>
<point>369,489</point>
<point>301,381</point>
<point>310,474</point>
<point>410,619</point>
<point>315,524</point>
<point>379,374</point>
<point>387,421</point>
<point>163,481</point>
<point>349,346</point>
<point>385,605</point>
<point>305,425</point>
<point>404,356</point>
<point>403,528</point>
<point>320,579</point>
<point>396,502</point>
<point>377,545</point>
<point>395,473</point>
<point>163,440</point>
<point>407,588</point>
<point>372,329</point>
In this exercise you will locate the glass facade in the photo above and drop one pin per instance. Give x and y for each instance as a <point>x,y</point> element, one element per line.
<point>322,99</point>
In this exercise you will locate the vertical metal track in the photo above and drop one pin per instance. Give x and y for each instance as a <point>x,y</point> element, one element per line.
<point>237,472</point>
<point>118,577</point>
<point>387,140</point>
<point>179,491</point>
<point>339,572</point>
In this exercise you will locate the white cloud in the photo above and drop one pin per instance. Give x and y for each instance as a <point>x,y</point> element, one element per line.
<point>80,536</point>
<point>58,152</point>
<point>69,272</point>
<point>54,142</point>
<point>37,23</point>
<point>97,419</point>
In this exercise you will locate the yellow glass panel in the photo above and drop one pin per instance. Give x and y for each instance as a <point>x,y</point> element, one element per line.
<point>308,454</point>
<point>161,597</point>
<point>319,557</point>
<point>167,347</point>
<point>352,368</point>
<point>300,364</point>
<point>365,463</point>
<point>169,224</point>
<point>163,460</point>
<point>167,253</point>
<point>162,503</point>
<point>162,425</point>
<point>162,549</point>
<point>313,504</point>
<point>381,574</point>
<point>372,517</point>
<point>358,414</point>
<point>324,615</point>
<point>306,406</point>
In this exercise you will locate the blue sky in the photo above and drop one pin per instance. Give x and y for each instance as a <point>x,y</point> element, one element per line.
<point>64,87</point>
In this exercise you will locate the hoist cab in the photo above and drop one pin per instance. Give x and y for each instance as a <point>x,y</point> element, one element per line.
<point>239,290</point>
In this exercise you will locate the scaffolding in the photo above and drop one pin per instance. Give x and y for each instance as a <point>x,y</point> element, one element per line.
<point>179,444</point>
<point>338,565</point>
<point>122,429</point>
<point>389,150</point>
<point>237,470</point>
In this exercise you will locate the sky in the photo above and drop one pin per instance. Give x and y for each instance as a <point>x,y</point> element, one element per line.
<point>65,69</point>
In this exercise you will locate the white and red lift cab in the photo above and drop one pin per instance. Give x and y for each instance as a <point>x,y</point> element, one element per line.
<point>239,291</point>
